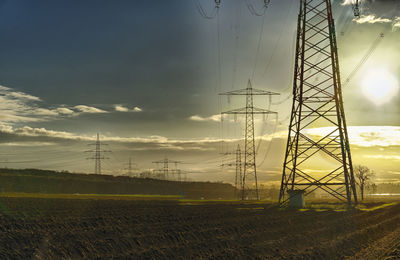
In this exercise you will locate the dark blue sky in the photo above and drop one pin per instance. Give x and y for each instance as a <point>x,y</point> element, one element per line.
<point>75,51</point>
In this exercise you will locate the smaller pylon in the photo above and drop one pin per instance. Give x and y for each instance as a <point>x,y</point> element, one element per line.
<point>165,171</point>
<point>238,172</point>
<point>238,176</point>
<point>130,168</point>
<point>97,155</point>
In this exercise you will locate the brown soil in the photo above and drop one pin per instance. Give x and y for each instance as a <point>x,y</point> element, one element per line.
<point>62,228</point>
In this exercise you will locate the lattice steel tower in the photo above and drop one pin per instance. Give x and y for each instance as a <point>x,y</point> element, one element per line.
<point>97,155</point>
<point>317,102</point>
<point>238,171</point>
<point>249,183</point>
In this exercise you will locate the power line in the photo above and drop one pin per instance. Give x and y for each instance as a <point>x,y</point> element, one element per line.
<point>253,10</point>
<point>203,13</point>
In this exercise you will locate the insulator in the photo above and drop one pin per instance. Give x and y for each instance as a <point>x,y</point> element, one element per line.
<point>229,99</point>
<point>217,3</point>
<point>235,118</point>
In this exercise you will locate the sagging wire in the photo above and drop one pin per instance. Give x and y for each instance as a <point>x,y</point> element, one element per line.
<point>270,142</point>
<point>203,13</point>
<point>365,58</point>
<point>253,10</point>
<point>260,38</point>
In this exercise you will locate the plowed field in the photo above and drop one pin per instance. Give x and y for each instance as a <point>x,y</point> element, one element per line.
<point>134,229</point>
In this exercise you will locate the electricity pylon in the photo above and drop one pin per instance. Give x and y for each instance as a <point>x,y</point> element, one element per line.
<point>238,171</point>
<point>130,167</point>
<point>97,155</point>
<point>249,188</point>
<point>317,102</point>
<point>165,170</point>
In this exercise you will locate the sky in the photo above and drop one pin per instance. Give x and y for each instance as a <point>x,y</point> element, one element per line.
<point>146,76</point>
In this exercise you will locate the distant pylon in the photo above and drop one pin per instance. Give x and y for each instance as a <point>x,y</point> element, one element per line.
<point>165,171</point>
<point>238,175</point>
<point>97,155</point>
<point>319,160</point>
<point>249,184</point>
<point>130,167</point>
<point>238,171</point>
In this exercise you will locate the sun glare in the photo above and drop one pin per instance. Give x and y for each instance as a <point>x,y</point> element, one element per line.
<point>379,86</point>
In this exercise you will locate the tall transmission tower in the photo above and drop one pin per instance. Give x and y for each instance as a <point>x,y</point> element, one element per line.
<point>317,102</point>
<point>97,155</point>
<point>165,171</point>
<point>249,184</point>
<point>238,171</point>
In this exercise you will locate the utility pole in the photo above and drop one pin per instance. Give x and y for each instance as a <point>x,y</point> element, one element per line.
<point>97,155</point>
<point>165,170</point>
<point>249,184</point>
<point>317,102</point>
<point>238,171</point>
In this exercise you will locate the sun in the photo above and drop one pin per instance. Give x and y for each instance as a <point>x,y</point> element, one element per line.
<point>379,86</point>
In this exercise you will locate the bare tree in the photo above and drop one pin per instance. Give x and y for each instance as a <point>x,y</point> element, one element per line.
<point>363,176</point>
<point>373,188</point>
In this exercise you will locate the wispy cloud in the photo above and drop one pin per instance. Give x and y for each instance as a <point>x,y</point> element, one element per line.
<point>121,108</point>
<point>137,109</point>
<point>371,19</point>
<point>366,136</point>
<point>18,106</point>
<point>8,92</point>
<point>348,2</point>
<point>396,23</point>
<point>381,156</point>
<point>152,142</point>
<point>65,111</point>
<point>213,118</point>
<point>89,109</point>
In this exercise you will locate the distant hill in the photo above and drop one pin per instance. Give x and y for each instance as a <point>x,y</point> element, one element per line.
<point>45,181</point>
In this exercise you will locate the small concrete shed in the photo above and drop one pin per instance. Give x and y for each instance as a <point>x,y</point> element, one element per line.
<point>296,198</point>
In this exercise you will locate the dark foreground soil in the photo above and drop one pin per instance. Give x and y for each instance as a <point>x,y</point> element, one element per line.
<point>76,229</point>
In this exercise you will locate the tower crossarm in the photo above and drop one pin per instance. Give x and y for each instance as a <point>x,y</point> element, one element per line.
<point>245,91</point>
<point>244,111</point>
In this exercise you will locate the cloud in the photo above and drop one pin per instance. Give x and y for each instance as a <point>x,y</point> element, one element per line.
<point>365,136</point>
<point>17,95</point>
<point>90,110</point>
<point>378,12</point>
<point>121,108</point>
<point>213,118</point>
<point>371,19</point>
<point>348,2</point>
<point>137,109</point>
<point>396,23</point>
<point>27,144</point>
<point>17,107</point>
<point>384,157</point>
<point>65,111</point>
<point>164,142</point>
<point>44,112</point>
